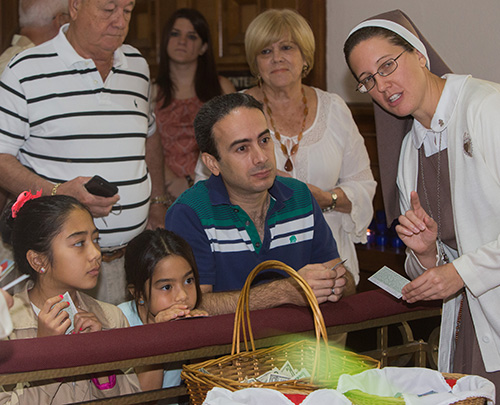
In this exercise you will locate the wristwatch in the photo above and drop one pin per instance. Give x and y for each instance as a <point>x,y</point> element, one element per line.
<point>334,203</point>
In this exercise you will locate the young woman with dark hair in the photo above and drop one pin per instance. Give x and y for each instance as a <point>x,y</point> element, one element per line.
<point>187,78</point>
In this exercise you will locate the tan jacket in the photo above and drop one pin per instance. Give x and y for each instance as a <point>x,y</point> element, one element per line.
<point>71,389</point>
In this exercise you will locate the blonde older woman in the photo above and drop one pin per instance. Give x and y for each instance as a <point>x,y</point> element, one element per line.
<point>316,139</point>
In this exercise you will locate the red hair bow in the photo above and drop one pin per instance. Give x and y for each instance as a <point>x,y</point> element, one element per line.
<point>21,200</point>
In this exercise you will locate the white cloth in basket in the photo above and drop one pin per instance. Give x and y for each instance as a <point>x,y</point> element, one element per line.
<point>418,386</point>
<point>259,396</point>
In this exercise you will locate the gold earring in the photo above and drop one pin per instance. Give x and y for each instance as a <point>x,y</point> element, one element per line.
<point>304,70</point>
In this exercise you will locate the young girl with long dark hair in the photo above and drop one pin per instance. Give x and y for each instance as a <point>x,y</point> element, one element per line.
<point>55,242</point>
<point>163,279</point>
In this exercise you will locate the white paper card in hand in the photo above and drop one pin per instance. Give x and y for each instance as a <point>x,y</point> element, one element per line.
<point>71,310</point>
<point>389,281</point>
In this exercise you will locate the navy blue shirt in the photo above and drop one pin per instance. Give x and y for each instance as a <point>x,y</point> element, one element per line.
<point>225,241</point>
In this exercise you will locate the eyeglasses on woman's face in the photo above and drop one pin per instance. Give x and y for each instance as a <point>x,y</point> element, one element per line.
<point>387,68</point>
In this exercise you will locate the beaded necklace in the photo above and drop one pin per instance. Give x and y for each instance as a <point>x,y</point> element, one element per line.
<point>442,254</point>
<point>295,147</point>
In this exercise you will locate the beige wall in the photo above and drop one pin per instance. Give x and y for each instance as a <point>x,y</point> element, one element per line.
<point>466,33</point>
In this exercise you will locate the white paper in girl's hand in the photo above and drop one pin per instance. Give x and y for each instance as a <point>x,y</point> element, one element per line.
<point>389,281</point>
<point>71,310</point>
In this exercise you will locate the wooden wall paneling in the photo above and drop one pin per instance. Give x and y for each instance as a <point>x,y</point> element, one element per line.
<point>8,22</point>
<point>142,30</point>
<point>315,13</point>
<point>233,18</point>
<point>2,36</point>
<point>228,21</point>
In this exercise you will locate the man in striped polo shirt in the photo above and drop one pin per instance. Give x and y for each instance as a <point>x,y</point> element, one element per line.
<point>78,106</point>
<point>243,215</point>
<point>39,21</point>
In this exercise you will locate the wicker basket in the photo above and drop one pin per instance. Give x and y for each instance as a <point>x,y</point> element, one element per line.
<point>358,397</point>
<point>325,363</point>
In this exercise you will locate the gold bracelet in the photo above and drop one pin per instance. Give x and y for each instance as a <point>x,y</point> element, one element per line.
<point>160,199</point>
<point>54,189</point>
<point>163,199</point>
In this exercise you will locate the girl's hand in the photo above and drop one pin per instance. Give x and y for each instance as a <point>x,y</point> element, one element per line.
<point>197,312</point>
<point>52,320</point>
<point>85,322</point>
<point>174,312</point>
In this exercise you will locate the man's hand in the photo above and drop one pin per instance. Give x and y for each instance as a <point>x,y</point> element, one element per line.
<point>327,284</point>
<point>340,284</point>
<point>98,206</point>
<point>436,283</point>
<point>344,284</point>
<point>418,231</point>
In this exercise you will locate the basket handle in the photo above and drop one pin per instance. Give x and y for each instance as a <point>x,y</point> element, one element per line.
<point>244,306</point>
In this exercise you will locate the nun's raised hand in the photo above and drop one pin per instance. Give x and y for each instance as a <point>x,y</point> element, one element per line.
<point>418,231</point>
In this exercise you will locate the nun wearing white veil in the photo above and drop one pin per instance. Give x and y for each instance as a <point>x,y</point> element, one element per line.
<point>439,145</point>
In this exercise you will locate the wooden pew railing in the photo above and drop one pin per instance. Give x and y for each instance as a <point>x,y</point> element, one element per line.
<point>193,339</point>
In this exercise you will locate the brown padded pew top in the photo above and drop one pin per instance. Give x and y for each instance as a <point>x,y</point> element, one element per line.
<point>18,356</point>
